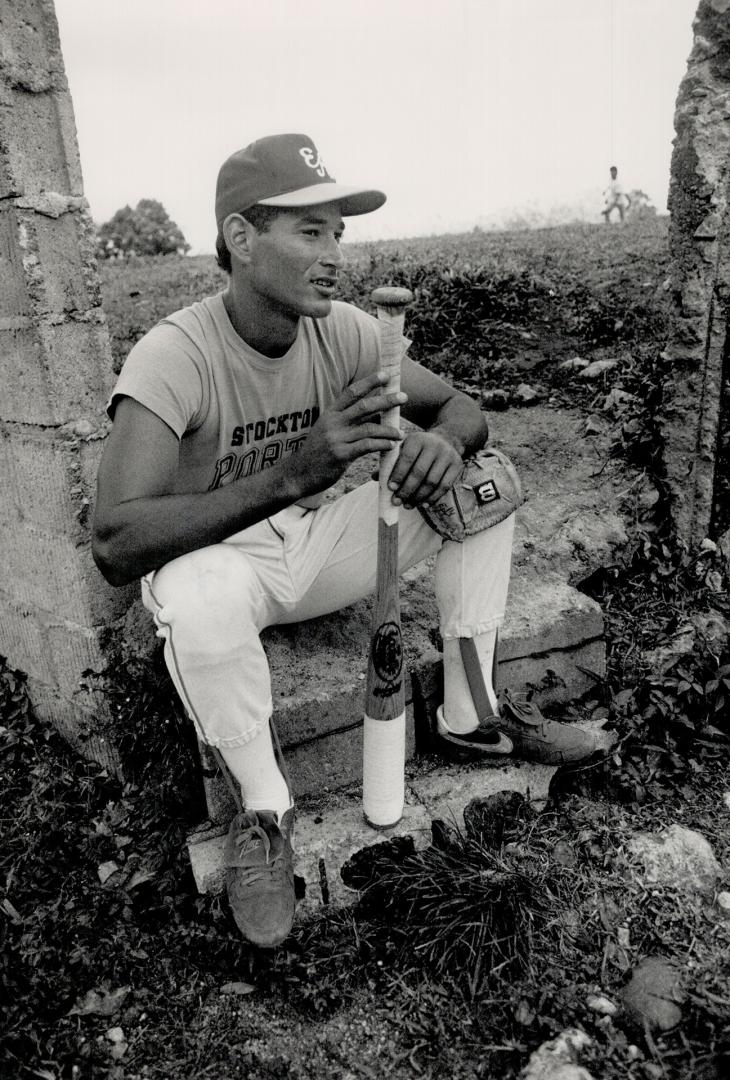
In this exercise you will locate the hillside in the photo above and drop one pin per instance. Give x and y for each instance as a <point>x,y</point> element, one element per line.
<point>488,305</point>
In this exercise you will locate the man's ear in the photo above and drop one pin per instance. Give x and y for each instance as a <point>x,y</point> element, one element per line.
<point>238,234</point>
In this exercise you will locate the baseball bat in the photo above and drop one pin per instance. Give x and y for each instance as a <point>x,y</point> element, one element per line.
<point>384,726</point>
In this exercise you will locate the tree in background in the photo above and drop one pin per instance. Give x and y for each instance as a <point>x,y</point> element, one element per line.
<point>146,230</point>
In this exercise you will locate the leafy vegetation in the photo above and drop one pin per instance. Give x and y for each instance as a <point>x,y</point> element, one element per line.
<point>145,230</point>
<point>535,297</point>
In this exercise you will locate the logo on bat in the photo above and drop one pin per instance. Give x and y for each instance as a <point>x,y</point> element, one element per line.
<point>387,656</point>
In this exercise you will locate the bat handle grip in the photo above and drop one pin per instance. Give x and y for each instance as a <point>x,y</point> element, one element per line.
<point>391,304</point>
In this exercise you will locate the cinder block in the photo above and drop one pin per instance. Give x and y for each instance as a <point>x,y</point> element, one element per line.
<point>24,639</point>
<point>38,140</point>
<point>324,841</point>
<point>310,715</point>
<point>14,299</point>
<point>74,649</point>
<point>53,573</point>
<point>54,373</point>
<point>83,721</point>
<point>31,55</point>
<point>447,791</point>
<point>334,761</point>
<point>47,480</point>
<point>558,676</point>
<point>544,614</point>
<point>57,261</point>
<point>53,650</point>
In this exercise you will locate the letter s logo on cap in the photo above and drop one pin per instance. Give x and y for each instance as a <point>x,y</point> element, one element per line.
<point>314,162</point>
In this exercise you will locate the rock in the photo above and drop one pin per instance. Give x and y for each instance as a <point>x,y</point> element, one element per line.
<point>596,368</point>
<point>575,363</point>
<point>563,854</point>
<point>557,1059</point>
<point>617,400</point>
<point>594,425</point>
<point>654,994</point>
<point>84,428</point>
<point>495,399</point>
<point>678,857</point>
<point>713,581</point>
<point>599,1004</point>
<point>528,395</point>
<point>723,901</point>
<point>647,496</point>
<point>713,628</point>
<point>723,546</point>
<point>666,656</point>
<point>708,545</point>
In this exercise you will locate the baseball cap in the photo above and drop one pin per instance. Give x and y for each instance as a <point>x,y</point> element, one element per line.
<point>287,171</point>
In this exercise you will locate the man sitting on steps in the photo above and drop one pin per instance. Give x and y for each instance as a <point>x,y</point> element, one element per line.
<point>231,418</point>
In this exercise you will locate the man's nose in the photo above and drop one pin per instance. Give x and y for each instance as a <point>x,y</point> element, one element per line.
<point>333,255</point>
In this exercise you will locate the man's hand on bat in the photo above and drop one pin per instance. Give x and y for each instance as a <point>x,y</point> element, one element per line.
<point>427,467</point>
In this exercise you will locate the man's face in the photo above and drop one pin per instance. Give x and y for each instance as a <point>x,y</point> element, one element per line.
<point>294,263</point>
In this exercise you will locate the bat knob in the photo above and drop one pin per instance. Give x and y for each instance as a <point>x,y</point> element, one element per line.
<point>391,296</point>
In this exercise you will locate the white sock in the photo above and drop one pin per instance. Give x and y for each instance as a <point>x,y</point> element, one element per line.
<point>255,768</point>
<point>460,714</point>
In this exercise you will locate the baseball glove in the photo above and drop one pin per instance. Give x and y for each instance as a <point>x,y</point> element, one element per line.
<point>487,492</point>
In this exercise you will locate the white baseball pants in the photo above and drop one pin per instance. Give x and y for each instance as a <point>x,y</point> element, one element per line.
<point>209,606</point>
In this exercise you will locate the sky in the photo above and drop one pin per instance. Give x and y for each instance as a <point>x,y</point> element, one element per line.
<point>465,112</point>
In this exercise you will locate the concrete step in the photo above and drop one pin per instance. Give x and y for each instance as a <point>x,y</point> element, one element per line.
<point>550,644</point>
<point>331,829</point>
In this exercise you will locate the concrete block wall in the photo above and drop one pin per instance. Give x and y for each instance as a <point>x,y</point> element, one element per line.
<point>700,250</point>
<point>55,371</point>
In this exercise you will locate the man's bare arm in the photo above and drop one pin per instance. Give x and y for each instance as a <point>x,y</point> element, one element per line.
<point>139,524</point>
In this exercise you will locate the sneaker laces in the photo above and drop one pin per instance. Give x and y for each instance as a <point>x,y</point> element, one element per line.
<point>244,841</point>
<point>253,840</point>
<point>522,709</point>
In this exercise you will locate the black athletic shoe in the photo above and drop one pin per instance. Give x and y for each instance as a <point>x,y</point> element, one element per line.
<point>486,741</point>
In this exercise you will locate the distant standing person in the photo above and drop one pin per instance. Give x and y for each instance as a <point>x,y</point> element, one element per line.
<point>615,197</point>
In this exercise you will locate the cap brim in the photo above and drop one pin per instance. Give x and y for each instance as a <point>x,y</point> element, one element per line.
<point>352,200</point>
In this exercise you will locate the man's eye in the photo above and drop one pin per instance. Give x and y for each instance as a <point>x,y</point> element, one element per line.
<point>311,232</point>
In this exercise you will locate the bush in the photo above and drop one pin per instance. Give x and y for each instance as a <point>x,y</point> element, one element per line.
<point>146,230</point>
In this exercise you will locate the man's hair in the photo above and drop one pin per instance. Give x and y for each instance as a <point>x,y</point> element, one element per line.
<point>260,217</point>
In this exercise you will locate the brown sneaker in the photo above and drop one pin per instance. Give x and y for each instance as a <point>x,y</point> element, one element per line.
<point>536,738</point>
<point>260,875</point>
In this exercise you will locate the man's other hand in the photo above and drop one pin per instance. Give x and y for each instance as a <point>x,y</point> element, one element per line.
<point>427,467</point>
